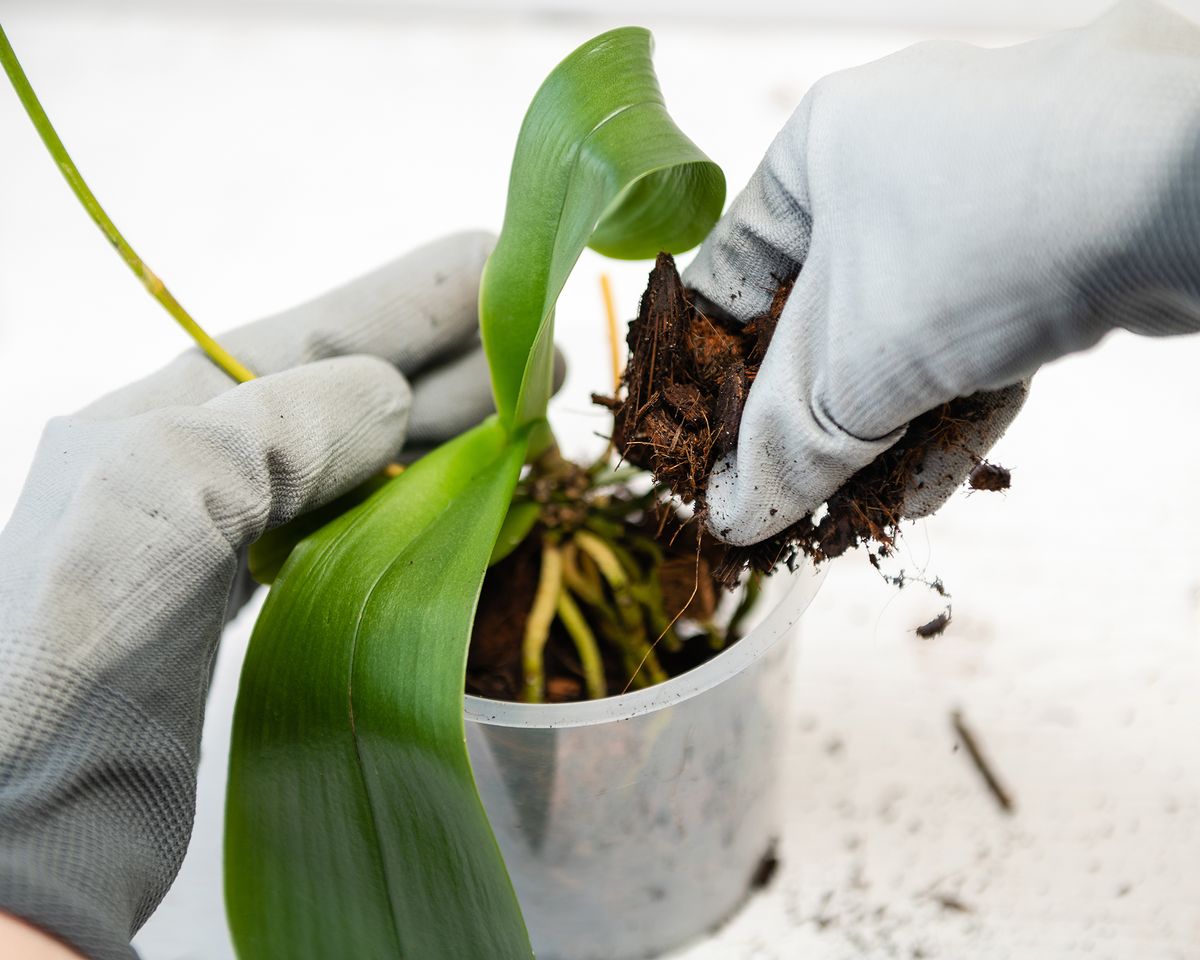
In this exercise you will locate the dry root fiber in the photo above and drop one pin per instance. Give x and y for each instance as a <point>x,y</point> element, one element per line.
<point>680,408</point>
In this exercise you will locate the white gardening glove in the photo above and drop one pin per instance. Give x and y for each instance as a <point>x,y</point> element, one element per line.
<point>959,217</point>
<point>118,562</point>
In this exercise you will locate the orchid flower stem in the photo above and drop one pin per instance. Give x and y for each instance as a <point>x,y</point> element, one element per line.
<point>614,339</point>
<point>141,269</point>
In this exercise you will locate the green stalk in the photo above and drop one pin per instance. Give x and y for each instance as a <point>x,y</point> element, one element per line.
<point>585,643</point>
<point>537,627</point>
<point>70,172</point>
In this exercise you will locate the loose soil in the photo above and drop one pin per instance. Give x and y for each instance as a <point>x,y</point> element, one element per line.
<point>684,389</point>
<point>934,628</point>
<point>989,476</point>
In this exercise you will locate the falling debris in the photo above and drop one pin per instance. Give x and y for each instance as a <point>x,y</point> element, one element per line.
<point>989,476</point>
<point>934,627</point>
<point>951,903</point>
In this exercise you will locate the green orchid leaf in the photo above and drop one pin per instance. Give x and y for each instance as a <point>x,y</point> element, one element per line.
<point>598,161</point>
<point>268,553</point>
<point>518,524</point>
<point>353,826</point>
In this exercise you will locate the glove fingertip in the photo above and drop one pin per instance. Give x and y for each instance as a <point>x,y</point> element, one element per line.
<point>743,514</point>
<point>944,471</point>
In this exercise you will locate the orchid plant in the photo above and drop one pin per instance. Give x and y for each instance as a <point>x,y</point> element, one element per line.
<point>353,825</point>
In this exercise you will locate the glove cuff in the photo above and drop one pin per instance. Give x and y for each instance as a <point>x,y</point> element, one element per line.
<point>29,892</point>
<point>96,804</point>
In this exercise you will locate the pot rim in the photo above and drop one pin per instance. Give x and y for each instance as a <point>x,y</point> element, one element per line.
<point>802,586</point>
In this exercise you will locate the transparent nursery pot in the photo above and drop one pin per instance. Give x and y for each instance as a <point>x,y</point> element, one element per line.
<point>633,824</point>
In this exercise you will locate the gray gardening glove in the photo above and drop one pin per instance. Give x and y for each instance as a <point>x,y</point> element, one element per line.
<point>118,562</point>
<point>961,216</point>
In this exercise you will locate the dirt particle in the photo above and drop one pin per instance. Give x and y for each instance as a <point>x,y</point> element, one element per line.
<point>766,868</point>
<point>934,627</point>
<point>560,689</point>
<point>951,903</point>
<point>989,476</point>
<point>968,739</point>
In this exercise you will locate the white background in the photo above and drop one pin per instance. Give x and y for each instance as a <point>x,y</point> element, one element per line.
<point>256,154</point>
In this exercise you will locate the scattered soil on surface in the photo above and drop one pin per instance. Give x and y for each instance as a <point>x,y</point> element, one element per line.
<point>986,771</point>
<point>766,868</point>
<point>684,389</point>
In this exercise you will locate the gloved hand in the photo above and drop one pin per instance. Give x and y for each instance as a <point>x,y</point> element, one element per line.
<point>959,216</point>
<point>118,562</point>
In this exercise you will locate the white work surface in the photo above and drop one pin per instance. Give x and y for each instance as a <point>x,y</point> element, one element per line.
<point>257,158</point>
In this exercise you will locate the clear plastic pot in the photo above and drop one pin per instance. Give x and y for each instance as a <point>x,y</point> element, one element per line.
<point>633,824</point>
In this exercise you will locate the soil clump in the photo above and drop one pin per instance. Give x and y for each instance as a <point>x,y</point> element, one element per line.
<point>679,411</point>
